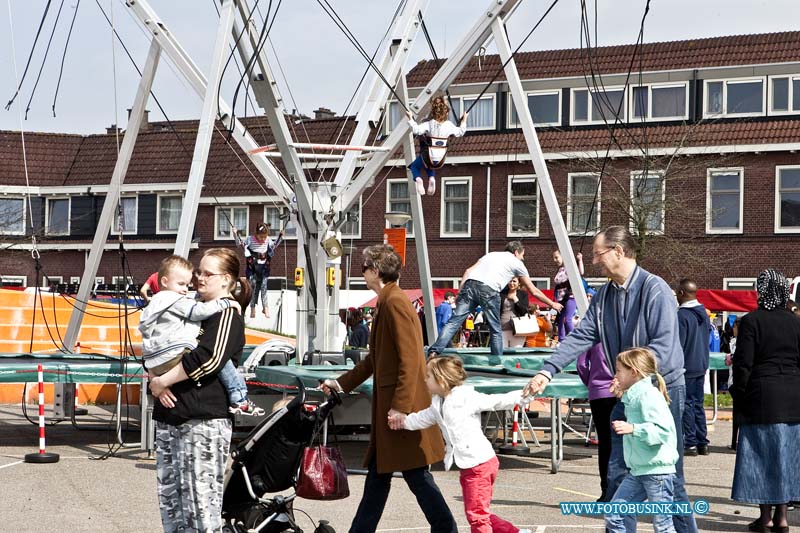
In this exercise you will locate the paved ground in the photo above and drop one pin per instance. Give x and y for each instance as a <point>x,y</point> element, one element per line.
<point>81,493</point>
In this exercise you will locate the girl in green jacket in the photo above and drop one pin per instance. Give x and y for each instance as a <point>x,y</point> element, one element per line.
<point>649,437</point>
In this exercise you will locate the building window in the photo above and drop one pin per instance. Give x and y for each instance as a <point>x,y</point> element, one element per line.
<point>357,284</point>
<point>739,284</point>
<point>127,222</point>
<point>724,203</point>
<point>660,102</point>
<point>445,283</point>
<point>272,216</point>
<point>49,281</point>
<point>523,206</point>
<point>397,199</point>
<point>583,203</point>
<point>597,107</point>
<point>14,281</point>
<point>785,95</point>
<point>121,280</point>
<point>393,116</point>
<point>12,216</point>
<point>787,200</point>
<point>734,98</point>
<point>647,202</point>
<point>228,218</point>
<point>57,216</point>
<point>544,107</point>
<point>481,117</point>
<point>169,214</point>
<point>541,283</point>
<point>351,229</point>
<point>456,207</point>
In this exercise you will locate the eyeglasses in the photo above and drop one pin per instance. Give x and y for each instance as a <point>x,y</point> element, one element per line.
<point>596,254</point>
<point>366,267</point>
<point>204,274</point>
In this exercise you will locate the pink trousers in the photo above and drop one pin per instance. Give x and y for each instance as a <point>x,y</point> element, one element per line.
<point>476,485</point>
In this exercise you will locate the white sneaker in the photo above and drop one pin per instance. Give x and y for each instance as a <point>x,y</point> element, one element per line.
<point>246,408</point>
<point>420,186</point>
<point>431,186</point>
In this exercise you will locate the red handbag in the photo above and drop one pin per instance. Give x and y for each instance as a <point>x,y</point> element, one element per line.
<point>323,475</point>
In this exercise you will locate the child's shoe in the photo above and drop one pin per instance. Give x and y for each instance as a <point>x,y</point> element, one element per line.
<point>246,408</point>
<point>420,186</point>
<point>431,186</point>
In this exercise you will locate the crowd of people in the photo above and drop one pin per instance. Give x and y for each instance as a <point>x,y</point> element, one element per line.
<point>642,354</point>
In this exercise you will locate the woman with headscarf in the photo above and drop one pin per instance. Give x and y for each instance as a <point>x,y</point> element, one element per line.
<point>766,396</point>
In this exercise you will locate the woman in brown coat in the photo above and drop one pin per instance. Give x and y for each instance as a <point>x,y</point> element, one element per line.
<point>397,365</point>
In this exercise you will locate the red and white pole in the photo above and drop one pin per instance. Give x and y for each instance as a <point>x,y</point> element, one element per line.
<point>515,427</point>
<point>42,456</point>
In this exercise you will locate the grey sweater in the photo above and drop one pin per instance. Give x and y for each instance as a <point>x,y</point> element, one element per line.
<point>651,322</point>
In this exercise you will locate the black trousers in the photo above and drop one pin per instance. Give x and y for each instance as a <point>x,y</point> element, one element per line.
<point>420,481</point>
<point>601,415</point>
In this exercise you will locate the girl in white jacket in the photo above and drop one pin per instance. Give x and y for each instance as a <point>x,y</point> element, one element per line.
<point>457,408</point>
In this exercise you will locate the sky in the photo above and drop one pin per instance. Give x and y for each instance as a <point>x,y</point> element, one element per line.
<point>314,63</point>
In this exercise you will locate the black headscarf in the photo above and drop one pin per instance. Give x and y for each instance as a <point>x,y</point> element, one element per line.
<point>773,290</point>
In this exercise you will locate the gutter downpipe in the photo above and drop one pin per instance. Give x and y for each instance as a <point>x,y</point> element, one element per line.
<point>488,198</point>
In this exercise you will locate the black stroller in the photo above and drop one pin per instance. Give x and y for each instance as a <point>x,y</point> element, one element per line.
<point>267,461</point>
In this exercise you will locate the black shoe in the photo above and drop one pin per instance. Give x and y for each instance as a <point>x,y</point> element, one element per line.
<point>703,450</point>
<point>690,451</point>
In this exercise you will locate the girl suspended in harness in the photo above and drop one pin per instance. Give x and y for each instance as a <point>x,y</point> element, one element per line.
<point>433,136</point>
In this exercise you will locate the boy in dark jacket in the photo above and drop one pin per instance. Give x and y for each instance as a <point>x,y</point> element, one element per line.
<point>694,327</point>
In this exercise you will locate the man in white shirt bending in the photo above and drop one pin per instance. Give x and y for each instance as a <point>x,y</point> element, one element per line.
<point>480,286</point>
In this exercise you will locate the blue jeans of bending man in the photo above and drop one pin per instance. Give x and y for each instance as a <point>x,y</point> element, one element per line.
<point>695,429</point>
<point>473,294</point>
<point>653,488</point>
<point>617,469</point>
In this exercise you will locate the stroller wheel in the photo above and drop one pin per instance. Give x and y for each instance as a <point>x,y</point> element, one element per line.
<point>324,527</point>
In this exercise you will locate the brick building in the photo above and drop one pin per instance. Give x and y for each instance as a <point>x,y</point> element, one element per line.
<point>696,150</point>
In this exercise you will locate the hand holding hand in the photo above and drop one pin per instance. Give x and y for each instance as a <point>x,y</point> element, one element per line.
<point>621,427</point>
<point>535,386</point>
<point>397,420</point>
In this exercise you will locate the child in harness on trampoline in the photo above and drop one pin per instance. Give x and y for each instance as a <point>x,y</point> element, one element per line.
<point>170,325</point>
<point>433,136</point>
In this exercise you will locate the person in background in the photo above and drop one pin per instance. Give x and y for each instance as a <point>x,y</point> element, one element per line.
<point>737,320</point>
<point>540,338</point>
<point>444,311</point>
<point>564,296</point>
<point>359,333</point>
<point>258,251</point>
<point>513,303</point>
<point>150,287</point>
<point>396,364</point>
<point>593,370</point>
<point>766,397</point>
<point>693,328</point>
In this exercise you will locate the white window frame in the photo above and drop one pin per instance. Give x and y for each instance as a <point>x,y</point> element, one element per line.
<point>730,284</point>
<point>356,235</point>
<point>411,190</point>
<point>135,229</point>
<point>442,210</point>
<point>589,120</point>
<point>461,99</point>
<point>454,282</point>
<point>542,281</point>
<point>159,231</point>
<point>709,173</point>
<point>385,125</point>
<point>74,279</point>
<point>228,237</point>
<point>510,232</point>
<point>510,106</point>
<point>570,176</point>
<point>778,228</point>
<point>637,174</point>
<point>734,81</point>
<point>359,280</point>
<point>47,215</point>
<point>11,279</point>
<point>650,86</point>
<point>789,111</point>
<point>24,216</point>
<point>595,282</point>
<point>51,280</point>
<point>266,219</point>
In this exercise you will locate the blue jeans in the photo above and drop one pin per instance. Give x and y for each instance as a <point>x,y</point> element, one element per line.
<point>695,430</point>
<point>473,294</point>
<point>653,488</point>
<point>617,469</point>
<point>417,166</point>
<point>421,484</point>
<point>234,384</point>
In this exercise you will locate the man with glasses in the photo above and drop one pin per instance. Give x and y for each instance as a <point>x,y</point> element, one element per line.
<point>635,308</point>
<point>480,286</point>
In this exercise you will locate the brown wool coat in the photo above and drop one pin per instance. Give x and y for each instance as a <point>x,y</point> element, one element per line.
<point>397,364</point>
